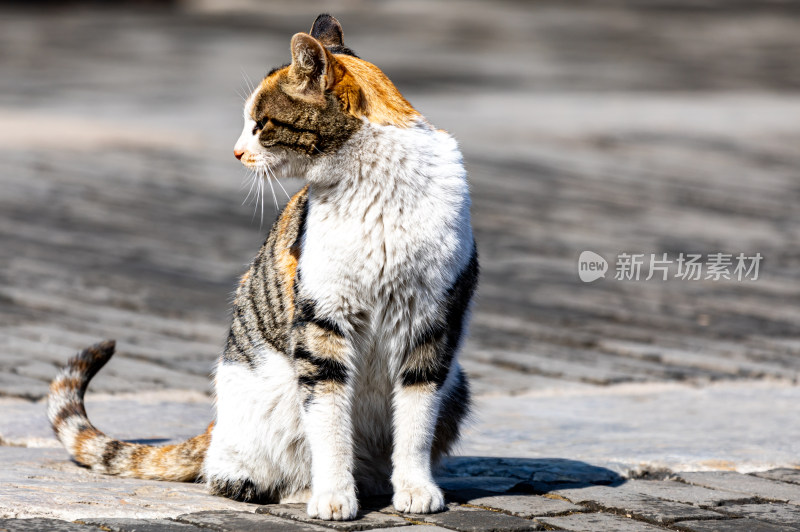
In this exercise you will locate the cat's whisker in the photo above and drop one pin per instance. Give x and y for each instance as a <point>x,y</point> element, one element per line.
<point>252,176</point>
<point>250,85</point>
<point>279,183</point>
<point>241,94</point>
<point>257,181</point>
<point>275,198</point>
<point>263,191</point>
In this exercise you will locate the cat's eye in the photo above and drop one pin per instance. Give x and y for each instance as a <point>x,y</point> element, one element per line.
<point>261,124</point>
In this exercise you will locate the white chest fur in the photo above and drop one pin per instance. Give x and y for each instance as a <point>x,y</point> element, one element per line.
<point>388,224</point>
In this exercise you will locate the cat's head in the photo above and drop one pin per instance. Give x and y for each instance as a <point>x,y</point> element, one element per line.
<point>311,107</point>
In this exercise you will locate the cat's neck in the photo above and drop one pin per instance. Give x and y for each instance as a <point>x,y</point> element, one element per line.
<point>390,158</point>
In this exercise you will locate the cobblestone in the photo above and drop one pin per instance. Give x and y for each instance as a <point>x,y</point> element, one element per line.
<point>466,519</point>
<point>140,525</point>
<point>734,525</point>
<point>365,520</point>
<point>527,506</point>
<point>749,484</point>
<point>782,474</point>
<point>226,521</point>
<point>686,493</point>
<point>595,522</point>
<point>642,507</point>
<point>40,525</point>
<point>778,513</point>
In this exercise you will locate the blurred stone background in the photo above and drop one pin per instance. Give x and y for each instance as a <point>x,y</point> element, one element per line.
<point>613,126</point>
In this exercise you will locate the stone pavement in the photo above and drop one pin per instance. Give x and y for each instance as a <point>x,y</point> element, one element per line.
<point>637,126</point>
<point>484,494</point>
<point>611,460</point>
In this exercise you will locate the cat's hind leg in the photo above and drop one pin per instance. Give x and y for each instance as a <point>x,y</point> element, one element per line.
<point>258,451</point>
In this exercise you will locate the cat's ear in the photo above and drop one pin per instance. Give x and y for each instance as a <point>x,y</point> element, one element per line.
<point>312,66</point>
<point>327,30</point>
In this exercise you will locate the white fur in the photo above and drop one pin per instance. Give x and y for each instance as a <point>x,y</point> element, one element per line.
<point>258,434</point>
<point>388,231</point>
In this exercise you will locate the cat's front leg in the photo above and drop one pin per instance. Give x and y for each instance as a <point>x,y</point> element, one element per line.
<point>417,400</point>
<point>322,358</point>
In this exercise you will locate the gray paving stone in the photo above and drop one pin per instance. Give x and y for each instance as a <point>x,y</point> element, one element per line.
<point>140,525</point>
<point>733,525</point>
<point>181,415</point>
<point>44,483</point>
<point>366,519</point>
<point>784,474</point>
<point>465,519</point>
<point>413,528</point>
<point>523,505</point>
<point>643,507</point>
<point>779,513</point>
<point>629,426</point>
<point>41,525</point>
<point>596,523</point>
<point>755,486</point>
<point>671,490</point>
<point>245,522</point>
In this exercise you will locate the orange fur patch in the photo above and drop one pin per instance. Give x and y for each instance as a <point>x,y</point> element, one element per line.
<point>365,91</point>
<point>288,256</point>
<point>63,384</point>
<point>81,439</point>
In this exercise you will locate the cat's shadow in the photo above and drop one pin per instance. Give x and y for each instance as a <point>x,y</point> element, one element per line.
<point>467,478</point>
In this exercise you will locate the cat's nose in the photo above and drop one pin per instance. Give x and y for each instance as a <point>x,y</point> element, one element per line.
<point>238,153</point>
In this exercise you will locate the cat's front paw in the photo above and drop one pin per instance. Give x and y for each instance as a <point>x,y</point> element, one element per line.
<point>333,506</point>
<point>422,499</point>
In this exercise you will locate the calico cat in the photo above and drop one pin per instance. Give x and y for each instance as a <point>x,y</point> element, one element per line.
<point>339,375</point>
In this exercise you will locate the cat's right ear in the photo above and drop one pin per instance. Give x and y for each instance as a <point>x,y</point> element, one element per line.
<point>327,30</point>
<point>311,68</point>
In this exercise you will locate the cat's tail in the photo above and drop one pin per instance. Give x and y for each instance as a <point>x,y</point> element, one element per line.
<point>90,447</point>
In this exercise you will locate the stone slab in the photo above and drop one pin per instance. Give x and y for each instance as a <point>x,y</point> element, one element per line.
<point>527,506</point>
<point>638,506</point>
<point>778,513</point>
<point>228,521</point>
<point>44,483</point>
<point>634,429</point>
<point>140,525</point>
<point>40,525</point>
<point>181,415</point>
<point>595,522</point>
<point>465,519</point>
<point>733,525</point>
<point>751,485</point>
<point>791,475</point>
<point>414,528</point>
<point>365,520</point>
<point>671,490</point>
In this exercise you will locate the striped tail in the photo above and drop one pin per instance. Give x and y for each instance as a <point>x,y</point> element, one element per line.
<point>88,446</point>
